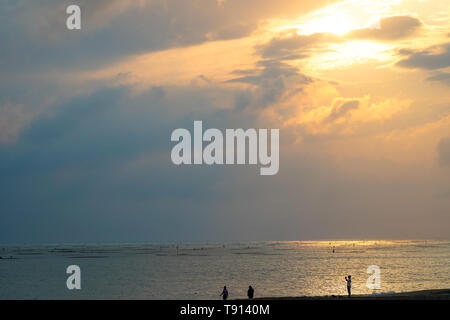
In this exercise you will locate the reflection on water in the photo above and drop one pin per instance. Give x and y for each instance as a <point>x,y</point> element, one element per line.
<point>200,270</point>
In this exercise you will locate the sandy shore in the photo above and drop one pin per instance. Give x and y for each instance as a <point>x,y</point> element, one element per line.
<point>435,294</point>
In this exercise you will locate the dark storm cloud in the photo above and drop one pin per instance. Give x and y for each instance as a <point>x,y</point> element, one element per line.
<point>428,59</point>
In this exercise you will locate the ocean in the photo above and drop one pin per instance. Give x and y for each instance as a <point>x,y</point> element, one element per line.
<point>200,270</point>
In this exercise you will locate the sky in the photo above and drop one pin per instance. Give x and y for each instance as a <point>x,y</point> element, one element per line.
<point>358,89</point>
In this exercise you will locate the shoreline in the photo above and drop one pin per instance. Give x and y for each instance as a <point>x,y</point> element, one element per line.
<point>431,294</point>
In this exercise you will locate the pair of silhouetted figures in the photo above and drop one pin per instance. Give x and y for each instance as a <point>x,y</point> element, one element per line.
<point>250,293</point>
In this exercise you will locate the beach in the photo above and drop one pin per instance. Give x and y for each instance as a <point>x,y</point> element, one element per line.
<point>436,294</point>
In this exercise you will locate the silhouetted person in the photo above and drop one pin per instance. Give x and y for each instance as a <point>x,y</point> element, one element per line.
<point>224,293</point>
<point>250,292</point>
<point>349,285</point>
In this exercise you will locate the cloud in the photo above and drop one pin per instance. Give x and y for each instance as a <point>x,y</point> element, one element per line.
<point>441,77</point>
<point>93,163</point>
<point>34,36</point>
<point>389,28</point>
<point>266,70</point>
<point>104,158</point>
<point>290,45</point>
<point>340,110</point>
<point>443,149</point>
<point>435,57</point>
<point>13,117</point>
<point>97,168</point>
<point>324,114</point>
<point>272,80</point>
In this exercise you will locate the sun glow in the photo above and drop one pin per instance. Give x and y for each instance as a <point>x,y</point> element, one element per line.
<point>337,23</point>
<point>337,19</point>
<point>351,52</point>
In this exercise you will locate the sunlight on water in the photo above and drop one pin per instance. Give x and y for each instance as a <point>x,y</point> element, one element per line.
<point>200,270</point>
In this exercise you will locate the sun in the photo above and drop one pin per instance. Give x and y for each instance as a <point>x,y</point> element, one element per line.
<point>338,19</point>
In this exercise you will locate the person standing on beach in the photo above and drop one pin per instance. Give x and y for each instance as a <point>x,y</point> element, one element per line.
<point>224,293</point>
<point>250,292</point>
<point>349,285</point>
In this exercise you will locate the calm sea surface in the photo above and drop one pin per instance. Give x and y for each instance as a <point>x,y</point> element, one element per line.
<point>200,270</point>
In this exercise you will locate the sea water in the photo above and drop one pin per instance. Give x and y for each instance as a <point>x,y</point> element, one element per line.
<point>200,270</point>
